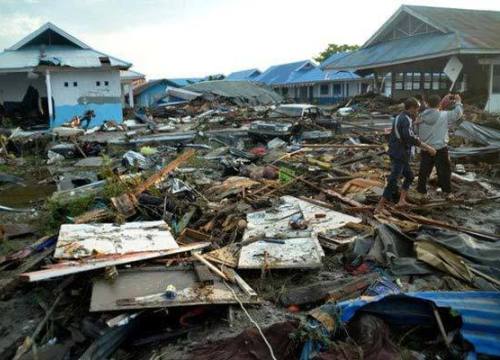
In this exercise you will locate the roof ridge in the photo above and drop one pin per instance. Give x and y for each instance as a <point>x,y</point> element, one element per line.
<point>49,26</point>
<point>448,8</point>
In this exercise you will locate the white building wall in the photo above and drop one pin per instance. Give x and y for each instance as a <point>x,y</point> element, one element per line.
<point>86,88</point>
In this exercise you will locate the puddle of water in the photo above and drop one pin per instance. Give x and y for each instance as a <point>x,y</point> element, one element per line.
<point>17,196</point>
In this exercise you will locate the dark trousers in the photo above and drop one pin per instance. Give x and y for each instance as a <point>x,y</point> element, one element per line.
<point>443,168</point>
<point>398,167</point>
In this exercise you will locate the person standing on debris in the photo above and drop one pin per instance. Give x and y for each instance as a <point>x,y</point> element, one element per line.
<point>433,129</point>
<point>401,141</point>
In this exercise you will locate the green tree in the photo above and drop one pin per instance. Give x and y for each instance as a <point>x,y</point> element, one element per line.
<point>334,49</point>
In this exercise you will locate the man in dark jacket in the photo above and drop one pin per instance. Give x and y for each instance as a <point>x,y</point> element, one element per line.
<point>401,140</point>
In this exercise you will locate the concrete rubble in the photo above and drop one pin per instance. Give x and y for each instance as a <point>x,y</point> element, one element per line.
<point>193,220</point>
<point>213,214</point>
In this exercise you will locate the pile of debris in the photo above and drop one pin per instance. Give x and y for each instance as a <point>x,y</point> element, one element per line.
<point>153,235</point>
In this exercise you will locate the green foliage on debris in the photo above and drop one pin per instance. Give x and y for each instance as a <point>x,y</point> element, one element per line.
<point>334,49</point>
<point>114,187</point>
<point>106,169</point>
<point>58,213</point>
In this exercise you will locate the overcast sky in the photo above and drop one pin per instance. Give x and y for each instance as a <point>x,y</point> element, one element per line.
<point>182,38</point>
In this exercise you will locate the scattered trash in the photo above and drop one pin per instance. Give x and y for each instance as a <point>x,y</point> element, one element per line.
<point>218,212</point>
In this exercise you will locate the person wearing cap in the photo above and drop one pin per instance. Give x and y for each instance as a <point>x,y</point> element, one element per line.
<point>401,141</point>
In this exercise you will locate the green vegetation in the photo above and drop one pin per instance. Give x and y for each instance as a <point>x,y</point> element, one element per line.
<point>334,49</point>
<point>57,213</point>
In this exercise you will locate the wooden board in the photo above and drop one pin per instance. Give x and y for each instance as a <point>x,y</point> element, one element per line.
<point>144,282</point>
<point>81,240</point>
<point>74,267</point>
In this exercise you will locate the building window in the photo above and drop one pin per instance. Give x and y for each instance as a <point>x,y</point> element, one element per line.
<point>496,79</point>
<point>75,84</point>
<point>106,83</point>
<point>416,81</point>
<point>324,89</point>
<point>427,81</point>
<point>97,83</point>
<point>408,81</point>
<point>435,81</point>
<point>443,82</point>
<point>303,92</point>
<point>284,91</point>
<point>398,81</point>
<point>66,84</point>
<point>337,89</point>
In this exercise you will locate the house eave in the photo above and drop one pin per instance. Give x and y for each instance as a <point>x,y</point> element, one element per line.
<point>418,58</point>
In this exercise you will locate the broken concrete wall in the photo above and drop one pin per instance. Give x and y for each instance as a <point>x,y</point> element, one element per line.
<point>75,92</point>
<point>13,86</point>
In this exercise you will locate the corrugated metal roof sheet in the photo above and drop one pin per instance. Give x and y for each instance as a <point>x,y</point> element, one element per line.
<point>181,82</point>
<point>318,75</point>
<point>480,312</point>
<point>131,75</point>
<point>66,50</point>
<point>68,56</point>
<point>244,92</point>
<point>475,28</point>
<point>460,30</point>
<point>284,73</point>
<point>43,29</point>
<point>248,74</point>
<point>396,51</point>
<point>333,58</point>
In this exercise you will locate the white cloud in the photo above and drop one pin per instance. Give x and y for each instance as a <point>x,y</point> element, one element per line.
<point>17,25</point>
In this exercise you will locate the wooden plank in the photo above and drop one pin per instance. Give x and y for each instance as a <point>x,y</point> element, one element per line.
<point>145,288</point>
<point>74,267</point>
<point>327,290</point>
<point>233,276</point>
<point>156,178</point>
<point>125,203</point>
<point>81,240</point>
<point>203,274</point>
<point>211,266</point>
<point>10,279</point>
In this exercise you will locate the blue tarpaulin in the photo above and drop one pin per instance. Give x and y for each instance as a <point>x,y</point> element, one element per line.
<point>480,312</point>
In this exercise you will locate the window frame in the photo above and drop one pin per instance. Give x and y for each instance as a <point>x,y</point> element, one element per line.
<point>322,87</point>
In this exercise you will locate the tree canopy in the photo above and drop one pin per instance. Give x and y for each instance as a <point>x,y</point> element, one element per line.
<point>334,49</point>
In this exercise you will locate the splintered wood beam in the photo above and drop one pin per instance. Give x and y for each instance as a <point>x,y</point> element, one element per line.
<point>156,178</point>
<point>73,267</point>
<point>211,266</point>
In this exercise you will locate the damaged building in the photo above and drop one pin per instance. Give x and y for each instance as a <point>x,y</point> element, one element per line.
<point>304,81</point>
<point>249,75</point>
<point>149,93</point>
<point>51,64</point>
<point>429,50</point>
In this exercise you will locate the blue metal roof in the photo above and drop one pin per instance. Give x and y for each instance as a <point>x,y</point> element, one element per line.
<point>456,31</point>
<point>248,74</point>
<point>318,75</point>
<point>285,73</point>
<point>396,51</point>
<point>333,58</point>
<point>181,82</point>
<point>480,312</point>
